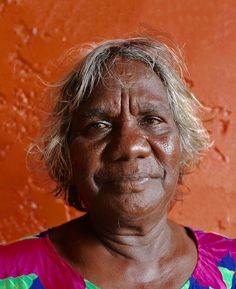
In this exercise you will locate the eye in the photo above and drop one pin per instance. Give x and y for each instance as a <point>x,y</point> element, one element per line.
<point>99,125</point>
<point>151,120</point>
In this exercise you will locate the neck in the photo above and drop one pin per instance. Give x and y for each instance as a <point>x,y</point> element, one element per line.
<point>138,242</point>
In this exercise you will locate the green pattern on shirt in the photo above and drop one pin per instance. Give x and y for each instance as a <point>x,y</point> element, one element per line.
<point>89,285</point>
<point>227,276</point>
<point>186,285</point>
<point>22,282</point>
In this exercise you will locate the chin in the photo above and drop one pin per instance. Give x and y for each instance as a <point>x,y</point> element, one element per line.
<point>135,206</point>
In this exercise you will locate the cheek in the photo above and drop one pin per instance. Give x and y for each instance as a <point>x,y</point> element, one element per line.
<point>85,159</point>
<point>171,151</point>
<point>167,152</point>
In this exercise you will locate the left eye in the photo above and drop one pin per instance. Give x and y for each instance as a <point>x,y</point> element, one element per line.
<point>151,120</point>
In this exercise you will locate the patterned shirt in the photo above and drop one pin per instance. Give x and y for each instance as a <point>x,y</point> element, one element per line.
<point>33,263</point>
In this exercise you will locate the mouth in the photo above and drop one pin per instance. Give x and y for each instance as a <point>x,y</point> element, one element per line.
<point>134,179</point>
<point>128,184</point>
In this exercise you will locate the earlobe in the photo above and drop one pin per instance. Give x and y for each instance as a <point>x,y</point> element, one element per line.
<point>75,200</point>
<point>181,176</point>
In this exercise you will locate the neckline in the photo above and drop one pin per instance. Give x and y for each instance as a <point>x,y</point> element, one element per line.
<point>78,276</point>
<point>88,284</point>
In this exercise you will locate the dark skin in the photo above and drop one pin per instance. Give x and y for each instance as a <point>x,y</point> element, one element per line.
<point>125,153</point>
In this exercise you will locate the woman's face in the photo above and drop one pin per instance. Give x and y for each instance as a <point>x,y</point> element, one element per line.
<point>125,148</point>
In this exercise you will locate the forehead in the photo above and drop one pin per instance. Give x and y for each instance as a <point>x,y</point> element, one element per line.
<point>128,79</point>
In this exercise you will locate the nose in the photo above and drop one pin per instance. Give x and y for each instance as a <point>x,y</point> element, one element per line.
<point>128,143</point>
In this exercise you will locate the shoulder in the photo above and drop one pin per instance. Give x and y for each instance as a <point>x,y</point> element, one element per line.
<point>24,246</point>
<point>218,244</point>
<point>34,262</point>
<point>216,259</point>
<point>21,256</point>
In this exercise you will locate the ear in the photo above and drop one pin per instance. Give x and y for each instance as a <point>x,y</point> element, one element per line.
<point>75,200</point>
<point>181,176</point>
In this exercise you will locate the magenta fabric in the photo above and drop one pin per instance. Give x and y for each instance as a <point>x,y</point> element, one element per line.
<point>216,266</point>
<point>215,252</point>
<point>38,256</point>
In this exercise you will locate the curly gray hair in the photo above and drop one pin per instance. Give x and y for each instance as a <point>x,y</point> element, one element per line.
<point>53,146</point>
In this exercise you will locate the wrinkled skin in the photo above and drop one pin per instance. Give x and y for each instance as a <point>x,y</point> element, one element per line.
<point>125,146</point>
<point>125,154</point>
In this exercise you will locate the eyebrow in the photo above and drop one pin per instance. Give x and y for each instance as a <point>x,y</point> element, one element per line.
<point>94,112</point>
<point>157,107</point>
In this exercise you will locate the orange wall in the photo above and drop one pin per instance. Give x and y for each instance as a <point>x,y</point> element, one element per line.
<point>34,34</point>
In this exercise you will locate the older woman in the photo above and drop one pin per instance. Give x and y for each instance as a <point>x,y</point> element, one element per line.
<point>123,133</point>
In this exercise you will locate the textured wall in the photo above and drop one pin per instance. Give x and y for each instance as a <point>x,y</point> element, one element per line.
<point>33,36</point>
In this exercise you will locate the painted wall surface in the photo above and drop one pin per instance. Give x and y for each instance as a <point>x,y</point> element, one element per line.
<point>33,37</point>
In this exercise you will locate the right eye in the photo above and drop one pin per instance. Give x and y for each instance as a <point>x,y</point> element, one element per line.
<point>99,125</point>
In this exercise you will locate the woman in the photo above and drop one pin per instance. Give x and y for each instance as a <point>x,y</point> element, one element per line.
<point>123,133</point>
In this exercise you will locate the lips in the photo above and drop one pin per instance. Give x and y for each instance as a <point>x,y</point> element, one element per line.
<point>134,178</point>
<point>128,178</point>
<point>115,173</point>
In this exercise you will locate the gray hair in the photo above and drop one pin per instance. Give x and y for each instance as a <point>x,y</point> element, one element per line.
<point>53,146</point>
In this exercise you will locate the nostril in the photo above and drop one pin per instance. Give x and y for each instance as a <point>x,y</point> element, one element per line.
<point>123,158</point>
